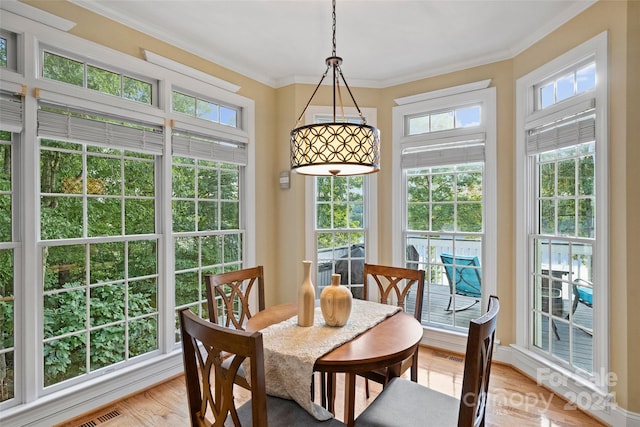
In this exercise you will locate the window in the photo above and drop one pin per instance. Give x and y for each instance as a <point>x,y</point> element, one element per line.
<point>98,244</point>
<point>97,78</point>
<point>341,216</point>
<point>8,247</point>
<point>206,110</point>
<point>8,50</point>
<point>444,150</point>
<point>563,177</point>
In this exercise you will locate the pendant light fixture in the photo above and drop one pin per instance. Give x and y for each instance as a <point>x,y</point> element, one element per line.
<point>335,148</point>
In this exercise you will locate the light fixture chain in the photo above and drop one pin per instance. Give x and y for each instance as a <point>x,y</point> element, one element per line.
<point>334,28</point>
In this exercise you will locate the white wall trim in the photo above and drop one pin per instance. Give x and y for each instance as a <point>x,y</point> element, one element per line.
<point>441,93</point>
<point>69,403</point>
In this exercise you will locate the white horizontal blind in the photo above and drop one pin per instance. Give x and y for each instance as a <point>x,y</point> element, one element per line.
<point>105,131</point>
<point>452,150</point>
<point>563,133</point>
<point>11,107</point>
<point>189,144</point>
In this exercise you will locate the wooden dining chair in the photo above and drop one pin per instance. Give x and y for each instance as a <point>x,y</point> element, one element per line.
<point>403,403</point>
<point>210,385</point>
<point>234,289</point>
<point>394,287</point>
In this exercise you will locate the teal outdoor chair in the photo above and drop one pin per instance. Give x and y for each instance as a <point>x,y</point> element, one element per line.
<point>464,278</point>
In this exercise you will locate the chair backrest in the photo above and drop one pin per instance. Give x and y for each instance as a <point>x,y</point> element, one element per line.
<point>396,283</point>
<point>234,289</point>
<point>204,366</point>
<point>477,366</point>
<point>463,273</point>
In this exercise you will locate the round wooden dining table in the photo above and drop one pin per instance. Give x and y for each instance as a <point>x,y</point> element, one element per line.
<point>386,344</point>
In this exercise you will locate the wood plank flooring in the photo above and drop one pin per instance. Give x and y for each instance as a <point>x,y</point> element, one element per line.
<point>514,399</point>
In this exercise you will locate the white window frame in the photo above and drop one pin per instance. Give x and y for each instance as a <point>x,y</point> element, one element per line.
<point>32,406</point>
<point>371,196</point>
<point>471,93</point>
<point>525,359</point>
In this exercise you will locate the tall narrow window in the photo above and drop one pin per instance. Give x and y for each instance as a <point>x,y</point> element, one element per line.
<point>562,228</point>
<point>98,242</point>
<point>208,228</point>
<point>442,154</point>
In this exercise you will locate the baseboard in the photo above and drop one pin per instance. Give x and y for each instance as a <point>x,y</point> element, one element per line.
<point>67,404</point>
<point>579,393</point>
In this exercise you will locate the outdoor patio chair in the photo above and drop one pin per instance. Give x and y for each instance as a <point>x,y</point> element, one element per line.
<point>210,384</point>
<point>403,403</point>
<point>464,278</point>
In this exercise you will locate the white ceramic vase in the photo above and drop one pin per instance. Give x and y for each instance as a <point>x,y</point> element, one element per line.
<point>306,297</point>
<point>335,303</point>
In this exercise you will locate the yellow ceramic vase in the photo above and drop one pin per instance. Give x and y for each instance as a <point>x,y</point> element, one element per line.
<point>335,303</point>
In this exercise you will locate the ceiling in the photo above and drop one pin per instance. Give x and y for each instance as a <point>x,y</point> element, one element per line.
<point>383,43</point>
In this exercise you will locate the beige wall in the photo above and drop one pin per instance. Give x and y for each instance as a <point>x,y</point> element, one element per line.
<point>280,221</point>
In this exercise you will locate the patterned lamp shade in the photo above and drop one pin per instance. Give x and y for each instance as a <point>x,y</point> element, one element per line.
<point>337,149</point>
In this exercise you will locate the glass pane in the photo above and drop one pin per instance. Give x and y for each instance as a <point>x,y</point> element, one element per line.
<point>184,215</point>
<point>469,186</point>
<point>586,78</point>
<point>340,188</point>
<point>103,217</point>
<point>565,87</point>
<point>356,215</point>
<point>143,258</point>
<point>232,248</point>
<point>586,217</point>
<point>7,381</point>
<point>228,116</point>
<point>230,215</point>
<point>208,215</point>
<point>442,188</point>
<point>139,178</point>
<point>184,104</point>
<point>106,262</point>
<point>442,217</point>
<point>442,121</point>
<point>566,178</point>
<point>186,252</point>
<point>586,176</point>
<point>468,117</point>
<point>137,90</point>
<point>547,96</point>
<point>143,297</point>
<point>143,335</point>
<point>63,69</point>
<point>107,304</point>
<point>547,216</point>
<point>211,250</point>
<point>356,188</point>
<point>64,266</point>
<point>340,215</point>
<point>207,183</point>
<point>3,52</point>
<point>5,163</point>
<point>187,288</point>
<point>229,185</point>
<point>567,217</point>
<point>547,179</point>
<point>107,346</point>
<point>64,358</point>
<point>207,110</point>
<point>183,181</point>
<point>418,188</point>
<point>105,176</point>
<point>418,125</point>
<point>139,216</point>
<point>469,217</point>
<point>60,217</point>
<point>5,218</point>
<point>323,218</point>
<point>60,172</point>
<point>418,216</point>
<point>103,81</point>
<point>64,312</point>
<point>323,188</point>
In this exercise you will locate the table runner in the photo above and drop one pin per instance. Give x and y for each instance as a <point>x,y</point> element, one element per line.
<point>290,351</point>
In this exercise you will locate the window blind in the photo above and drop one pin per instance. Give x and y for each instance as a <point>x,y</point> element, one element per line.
<point>446,151</point>
<point>98,130</point>
<point>11,107</point>
<point>570,131</point>
<point>189,144</point>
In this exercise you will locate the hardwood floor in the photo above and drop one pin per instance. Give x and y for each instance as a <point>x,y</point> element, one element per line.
<point>514,399</point>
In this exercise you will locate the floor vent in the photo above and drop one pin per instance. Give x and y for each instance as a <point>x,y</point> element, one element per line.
<point>451,357</point>
<point>101,419</point>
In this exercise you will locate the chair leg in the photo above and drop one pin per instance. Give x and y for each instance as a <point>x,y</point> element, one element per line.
<point>459,309</point>
<point>366,387</point>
